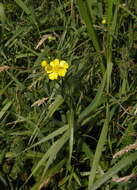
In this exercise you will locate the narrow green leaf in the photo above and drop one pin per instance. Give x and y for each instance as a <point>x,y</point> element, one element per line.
<point>51,153</point>
<point>111,21</point>
<point>109,71</point>
<point>20,85</point>
<point>28,11</point>
<point>86,149</point>
<point>95,102</point>
<point>27,48</point>
<point>51,172</point>
<point>100,145</point>
<point>99,149</point>
<point>115,169</point>
<point>55,105</point>
<point>48,137</point>
<point>77,178</point>
<point>85,13</point>
<point>4,183</point>
<point>23,6</point>
<point>90,3</point>
<point>2,14</point>
<point>16,33</point>
<point>109,11</point>
<point>2,18</point>
<point>126,9</point>
<point>5,108</point>
<point>71,134</point>
<point>2,91</point>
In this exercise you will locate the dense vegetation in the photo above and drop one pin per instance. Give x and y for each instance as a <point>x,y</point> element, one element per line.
<point>77,132</point>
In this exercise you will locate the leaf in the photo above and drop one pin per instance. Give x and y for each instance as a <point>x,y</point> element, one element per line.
<point>71,134</point>
<point>5,108</point>
<point>95,102</point>
<point>50,155</point>
<point>115,169</point>
<point>84,11</point>
<point>55,105</point>
<point>20,85</point>
<point>100,144</point>
<point>28,11</point>
<point>50,136</point>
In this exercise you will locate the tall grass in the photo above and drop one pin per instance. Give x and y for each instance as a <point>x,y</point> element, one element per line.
<point>63,134</point>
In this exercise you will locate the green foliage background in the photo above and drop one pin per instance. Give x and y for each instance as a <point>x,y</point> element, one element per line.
<point>68,141</point>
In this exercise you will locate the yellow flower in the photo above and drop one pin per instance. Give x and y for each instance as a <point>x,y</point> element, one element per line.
<point>44,63</point>
<point>56,68</point>
<point>104,21</point>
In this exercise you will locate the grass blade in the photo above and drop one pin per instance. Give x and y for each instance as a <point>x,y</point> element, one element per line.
<point>50,155</point>
<point>84,11</point>
<point>96,101</point>
<point>58,101</point>
<point>118,167</point>
<point>100,145</point>
<point>109,11</point>
<point>71,138</point>
<point>50,136</point>
<point>53,107</point>
<point>98,151</point>
<point>5,108</point>
<point>20,85</point>
<point>2,14</point>
<point>28,11</point>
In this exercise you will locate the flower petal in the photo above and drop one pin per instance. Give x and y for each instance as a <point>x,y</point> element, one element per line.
<point>49,69</point>
<point>54,63</point>
<point>53,76</point>
<point>64,64</point>
<point>62,71</point>
<point>44,63</point>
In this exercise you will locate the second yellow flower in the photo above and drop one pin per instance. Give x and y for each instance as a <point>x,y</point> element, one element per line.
<point>55,69</point>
